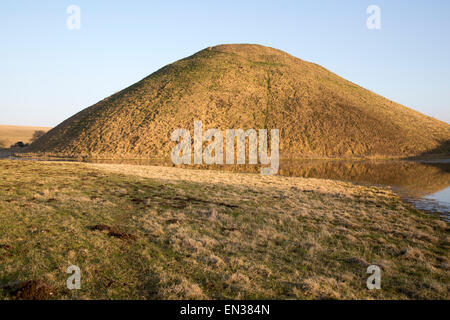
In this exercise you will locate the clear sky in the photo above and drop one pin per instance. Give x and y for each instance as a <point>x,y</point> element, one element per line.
<point>49,72</point>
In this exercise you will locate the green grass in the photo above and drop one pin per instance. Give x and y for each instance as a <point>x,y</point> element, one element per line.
<point>211,235</point>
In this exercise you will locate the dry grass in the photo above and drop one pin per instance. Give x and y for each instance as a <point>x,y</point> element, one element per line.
<point>212,235</point>
<point>9,135</point>
<point>318,113</point>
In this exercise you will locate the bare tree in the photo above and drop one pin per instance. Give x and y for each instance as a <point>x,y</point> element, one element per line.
<point>37,134</point>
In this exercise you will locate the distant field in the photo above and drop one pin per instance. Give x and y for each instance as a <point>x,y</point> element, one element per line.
<point>12,134</point>
<point>318,113</point>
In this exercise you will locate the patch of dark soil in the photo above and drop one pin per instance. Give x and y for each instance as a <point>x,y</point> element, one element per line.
<point>178,202</point>
<point>5,250</point>
<point>30,290</point>
<point>356,261</point>
<point>113,232</point>
<point>231,229</point>
<point>101,227</point>
<point>5,246</point>
<point>136,200</point>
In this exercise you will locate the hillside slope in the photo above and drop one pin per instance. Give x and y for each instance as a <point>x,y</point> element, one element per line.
<point>319,114</point>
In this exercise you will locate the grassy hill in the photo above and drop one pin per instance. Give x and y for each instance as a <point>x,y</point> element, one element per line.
<point>12,134</point>
<point>319,114</point>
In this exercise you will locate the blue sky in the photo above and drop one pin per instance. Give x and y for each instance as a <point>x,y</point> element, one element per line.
<point>49,72</point>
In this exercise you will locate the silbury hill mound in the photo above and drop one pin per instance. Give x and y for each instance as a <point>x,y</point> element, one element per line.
<point>318,113</point>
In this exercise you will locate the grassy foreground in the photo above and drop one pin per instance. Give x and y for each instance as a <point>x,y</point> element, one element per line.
<point>141,232</point>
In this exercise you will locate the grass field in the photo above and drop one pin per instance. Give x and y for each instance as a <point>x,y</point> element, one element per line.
<point>142,232</point>
<point>12,134</point>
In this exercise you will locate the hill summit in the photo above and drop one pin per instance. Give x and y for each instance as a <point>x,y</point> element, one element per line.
<point>318,113</point>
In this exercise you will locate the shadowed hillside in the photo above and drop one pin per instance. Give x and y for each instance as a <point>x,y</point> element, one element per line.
<point>319,114</point>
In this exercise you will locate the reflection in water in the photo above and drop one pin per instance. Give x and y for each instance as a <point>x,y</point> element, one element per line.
<point>425,184</point>
<point>417,178</point>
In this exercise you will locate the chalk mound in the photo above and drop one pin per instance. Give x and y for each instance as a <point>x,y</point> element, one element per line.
<point>318,113</point>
